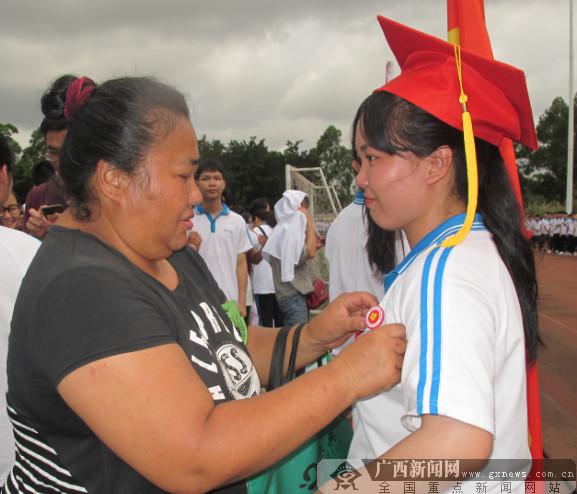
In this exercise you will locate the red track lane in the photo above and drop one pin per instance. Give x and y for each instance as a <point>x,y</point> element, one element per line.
<point>558,360</point>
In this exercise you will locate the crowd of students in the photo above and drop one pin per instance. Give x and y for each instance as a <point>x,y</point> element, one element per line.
<point>262,259</point>
<point>554,233</point>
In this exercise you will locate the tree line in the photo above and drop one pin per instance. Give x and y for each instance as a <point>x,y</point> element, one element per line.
<point>253,170</point>
<point>543,173</point>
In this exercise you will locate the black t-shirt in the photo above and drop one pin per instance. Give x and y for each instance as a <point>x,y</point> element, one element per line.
<point>81,301</point>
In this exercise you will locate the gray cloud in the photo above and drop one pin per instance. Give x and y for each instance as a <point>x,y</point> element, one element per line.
<point>276,70</point>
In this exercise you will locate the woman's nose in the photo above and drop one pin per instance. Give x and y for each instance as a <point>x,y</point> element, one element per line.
<point>195,196</point>
<point>361,177</point>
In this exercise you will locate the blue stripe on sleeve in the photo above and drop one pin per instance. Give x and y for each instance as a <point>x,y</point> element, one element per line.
<point>437,331</point>
<point>423,328</point>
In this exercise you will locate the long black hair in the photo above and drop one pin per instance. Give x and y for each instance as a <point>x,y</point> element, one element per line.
<point>380,246</point>
<point>267,216</point>
<point>393,125</point>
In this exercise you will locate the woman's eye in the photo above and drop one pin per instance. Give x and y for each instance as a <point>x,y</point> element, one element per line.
<point>185,178</point>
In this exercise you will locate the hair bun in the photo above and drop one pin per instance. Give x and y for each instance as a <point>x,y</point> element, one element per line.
<point>54,99</point>
<point>77,94</point>
<point>53,105</point>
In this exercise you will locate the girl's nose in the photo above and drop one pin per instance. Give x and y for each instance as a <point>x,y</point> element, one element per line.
<point>361,177</point>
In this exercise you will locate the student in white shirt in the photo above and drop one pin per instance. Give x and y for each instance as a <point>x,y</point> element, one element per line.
<point>467,290</point>
<point>224,234</point>
<point>261,274</point>
<point>349,266</point>
<point>358,252</point>
<point>16,252</point>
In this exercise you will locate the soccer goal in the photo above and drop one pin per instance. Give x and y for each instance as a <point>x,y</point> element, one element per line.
<point>325,204</point>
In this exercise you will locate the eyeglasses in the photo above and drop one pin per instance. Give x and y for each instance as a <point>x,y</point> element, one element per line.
<point>15,210</point>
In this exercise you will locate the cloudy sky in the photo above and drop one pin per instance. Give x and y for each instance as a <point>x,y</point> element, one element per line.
<point>278,70</point>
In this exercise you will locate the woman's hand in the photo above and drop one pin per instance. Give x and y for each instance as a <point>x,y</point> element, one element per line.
<point>343,317</point>
<point>374,361</point>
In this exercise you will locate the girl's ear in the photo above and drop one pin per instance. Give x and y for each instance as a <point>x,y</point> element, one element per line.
<point>439,164</point>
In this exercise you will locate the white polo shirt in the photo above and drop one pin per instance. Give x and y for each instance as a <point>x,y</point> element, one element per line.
<point>465,357</point>
<point>349,268</point>
<point>261,275</point>
<point>16,252</point>
<point>223,239</point>
<point>346,253</point>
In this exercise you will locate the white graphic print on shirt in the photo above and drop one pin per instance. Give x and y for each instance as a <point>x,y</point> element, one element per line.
<point>233,361</point>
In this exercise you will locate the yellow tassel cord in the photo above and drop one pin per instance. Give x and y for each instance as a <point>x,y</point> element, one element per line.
<point>471,159</point>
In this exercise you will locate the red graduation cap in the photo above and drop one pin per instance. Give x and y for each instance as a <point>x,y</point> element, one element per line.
<point>498,101</point>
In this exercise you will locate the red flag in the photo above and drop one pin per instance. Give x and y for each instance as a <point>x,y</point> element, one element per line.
<point>466,26</point>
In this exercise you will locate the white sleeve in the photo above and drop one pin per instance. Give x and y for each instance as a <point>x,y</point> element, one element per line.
<point>451,345</point>
<point>243,237</point>
<point>336,285</point>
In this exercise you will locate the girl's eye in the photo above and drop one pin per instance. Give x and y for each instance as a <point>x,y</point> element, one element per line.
<point>185,178</point>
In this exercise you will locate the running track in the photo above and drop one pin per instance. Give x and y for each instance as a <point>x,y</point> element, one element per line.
<point>558,360</point>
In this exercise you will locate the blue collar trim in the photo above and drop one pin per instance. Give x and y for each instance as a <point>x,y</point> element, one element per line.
<point>224,212</point>
<point>200,210</point>
<point>359,198</point>
<point>433,238</point>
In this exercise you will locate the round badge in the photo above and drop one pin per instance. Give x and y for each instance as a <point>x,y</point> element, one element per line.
<point>375,317</point>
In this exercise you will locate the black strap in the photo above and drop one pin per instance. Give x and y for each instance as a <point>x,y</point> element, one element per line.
<point>263,232</point>
<point>275,378</point>
<point>290,375</point>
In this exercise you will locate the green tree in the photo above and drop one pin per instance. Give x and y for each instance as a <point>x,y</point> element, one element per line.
<point>25,158</point>
<point>211,149</point>
<point>251,169</point>
<point>32,154</point>
<point>335,160</point>
<point>544,171</point>
<point>294,156</point>
<point>8,130</point>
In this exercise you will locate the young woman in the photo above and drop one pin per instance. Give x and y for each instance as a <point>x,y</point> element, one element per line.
<point>467,290</point>
<point>261,274</point>
<point>125,373</point>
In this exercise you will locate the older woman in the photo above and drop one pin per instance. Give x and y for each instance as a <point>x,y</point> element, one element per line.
<point>125,373</point>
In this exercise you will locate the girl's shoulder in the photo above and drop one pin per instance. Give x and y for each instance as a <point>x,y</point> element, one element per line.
<point>475,262</point>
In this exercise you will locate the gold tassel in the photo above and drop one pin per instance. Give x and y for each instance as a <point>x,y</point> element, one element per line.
<point>471,159</point>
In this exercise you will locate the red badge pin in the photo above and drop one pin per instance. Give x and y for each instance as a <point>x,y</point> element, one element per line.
<point>375,317</point>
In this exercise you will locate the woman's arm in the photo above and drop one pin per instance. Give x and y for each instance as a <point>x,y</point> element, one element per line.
<point>329,329</point>
<point>152,409</point>
<point>439,437</point>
